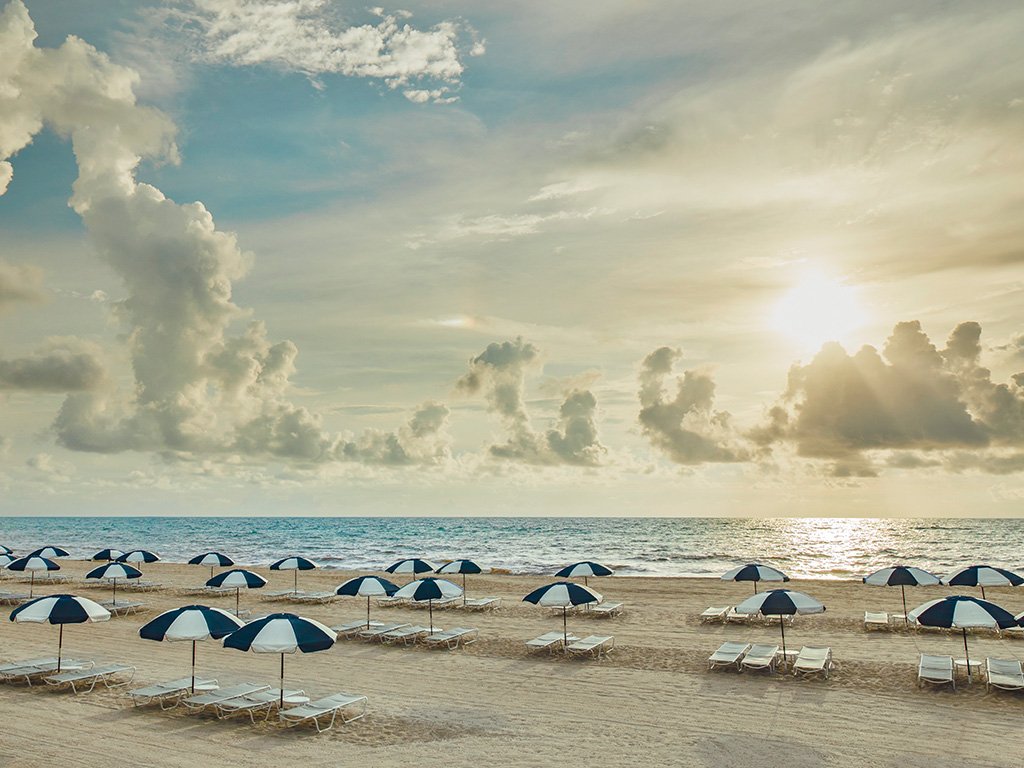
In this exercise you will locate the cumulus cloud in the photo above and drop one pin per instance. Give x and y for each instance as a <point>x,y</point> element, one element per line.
<point>308,36</point>
<point>19,284</point>
<point>65,365</point>
<point>199,386</point>
<point>685,427</point>
<point>499,373</point>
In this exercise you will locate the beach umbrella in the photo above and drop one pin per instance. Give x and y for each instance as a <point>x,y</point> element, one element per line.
<point>564,595</point>
<point>584,569</point>
<point>239,579</point>
<point>6,550</point>
<point>212,559</point>
<point>295,564</point>
<point>113,572</point>
<point>139,556</point>
<point>412,565</point>
<point>61,610</point>
<point>367,586</point>
<point>983,576</point>
<point>962,612</point>
<point>463,567</point>
<point>190,622</point>
<point>429,589</point>
<point>32,563</point>
<point>755,572</point>
<point>780,602</point>
<point>49,553</point>
<point>903,577</point>
<point>6,560</point>
<point>282,633</point>
<point>107,554</point>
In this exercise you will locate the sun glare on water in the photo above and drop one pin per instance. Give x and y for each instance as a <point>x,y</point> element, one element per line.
<point>817,310</point>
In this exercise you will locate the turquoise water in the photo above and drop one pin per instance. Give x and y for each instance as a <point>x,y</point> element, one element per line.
<point>816,548</point>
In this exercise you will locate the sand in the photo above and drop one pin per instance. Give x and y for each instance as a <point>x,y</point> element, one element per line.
<point>650,703</point>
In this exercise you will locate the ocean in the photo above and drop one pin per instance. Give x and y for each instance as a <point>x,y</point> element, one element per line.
<point>822,548</point>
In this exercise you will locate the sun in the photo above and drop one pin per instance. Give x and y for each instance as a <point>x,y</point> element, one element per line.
<point>816,310</point>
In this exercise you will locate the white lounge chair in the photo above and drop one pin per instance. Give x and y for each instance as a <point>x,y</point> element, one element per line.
<point>377,632</point>
<point>481,603</point>
<point>30,672</point>
<point>109,675</point>
<point>549,641</point>
<point>606,609</point>
<point>738,618</point>
<point>407,635</point>
<point>813,660</point>
<point>785,618</point>
<point>123,608</point>
<point>452,638</point>
<point>760,657</point>
<point>391,602</point>
<point>280,594</point>
<point>201,701</point>
<point>170,691</point>
<point>331,705</point>
<point>876,620</point>
<point>251,703</point>
<point>595,646</point>
<point>210,591</point>
<point>138,585</point>
<point>715,613</point>
<point>1005,674</point>
<point>353,628</point>
<point>13,598</point>
<point>728,655</point>
<point>936,670</point>
<point>312,597</point>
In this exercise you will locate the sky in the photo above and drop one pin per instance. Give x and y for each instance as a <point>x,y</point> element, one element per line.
<point>445,258</point>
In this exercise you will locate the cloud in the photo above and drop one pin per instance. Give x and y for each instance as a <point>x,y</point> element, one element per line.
<point>200,387</point>
<point>65,365</point>
<point>308,36</point>
<point>686,427</point>
<point>19,284</point>
<point>499,373</point>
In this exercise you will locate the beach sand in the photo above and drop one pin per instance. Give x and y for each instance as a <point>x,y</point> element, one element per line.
<point>650,703</point>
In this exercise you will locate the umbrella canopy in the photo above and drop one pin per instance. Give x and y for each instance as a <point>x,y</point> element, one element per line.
<point>429,589</point>
<point>213,560</point>
<point>239,579</point>
<point>139,556</point>
<point>564,595</point>
<point>6,560</point>
<point>114,571</point>
<point>983,576</point>
<point>6,550</point>
<point>294,564</point>
<point>190,623</point>
<point>585,569</point>
<point>962,612</point>
<point>49,552</point>
<point>902,576</point>
<point>60,609</point>
<point>32,563</point>
<point>107,554</point>
<point>781,602</point>
<point>755,572</point>
<point>367,586</point>
<point>412,566</point>
<point>282,633</point>
<point>463,567</point>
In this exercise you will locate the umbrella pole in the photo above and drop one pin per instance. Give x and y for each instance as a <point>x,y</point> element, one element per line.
<point>982,596</point>
<point>565,632</point>
<point>584,581</point>
<point>60,644</point>
<point>967,656</point>
<point>281,703</point>
<point>295,582</point>
<point>31,591</point>
<point>430,608</point>
<point>211,571</point>
<point>115,592</point>
<point>236,602</point>
<point>463,589</point>
<point>755,586</point>
<point>782,626</point>
<point>367,611</point>
<point>193,666</point>
<point>903,589</point>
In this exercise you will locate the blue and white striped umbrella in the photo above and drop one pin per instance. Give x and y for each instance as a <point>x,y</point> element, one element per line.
<point>755,572</point>
<point>983,576</point>
<point>61,610</point>
<point>463,567</point>
<point>282,633</point>
<point>239,579</point>
<point>139,556</point>
<point>294,564</point>
<point>190,623</point>
<point>32,563</point>
<point>780,602</point>
<point>586,568</point>
<point>49,552</point>
<point>113,572</point>
<point>963,613</point>
<point>412,565</point>
<point>366,586</point>
<point>213,560</point>
<point>564,595</point>
<point>6,550</point>
<point>107,554</point>
<point>902,576</point>
<point>6,560</point>
<point>429,590</point>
